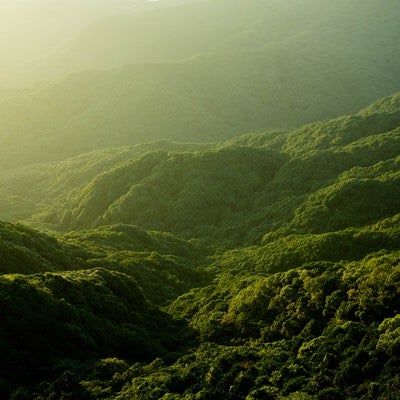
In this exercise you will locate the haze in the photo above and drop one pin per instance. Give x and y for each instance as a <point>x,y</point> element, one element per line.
<point>31,29</point>
<point>199,199</point>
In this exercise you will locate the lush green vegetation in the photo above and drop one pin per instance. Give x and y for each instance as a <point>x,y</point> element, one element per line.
<point>51,321</point>
<point>23,250</point>
<point>148,252</point>
<point>33,188</point>
<point>324,177</point>
<point>269,269</point>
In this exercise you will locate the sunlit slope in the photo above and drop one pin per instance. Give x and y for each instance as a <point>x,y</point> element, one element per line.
<point>325,330</point>
<point>267,66</point>
<point>323,177</point>
<point>31,188</point>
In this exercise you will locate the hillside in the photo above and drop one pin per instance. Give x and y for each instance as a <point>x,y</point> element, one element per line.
<point>293,179</point>
<point>86,315</point>
<point>278,277</point>
<point>35,187</point>
<point>24,250</point>
<point>249,73</point>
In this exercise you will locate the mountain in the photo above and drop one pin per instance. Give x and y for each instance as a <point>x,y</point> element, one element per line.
<point>278,279</point>
<point>31,188</point>
<point>301,179</point>
<point>154,34</point>
<point>270,65</point>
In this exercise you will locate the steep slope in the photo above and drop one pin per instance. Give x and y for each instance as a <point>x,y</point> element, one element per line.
<point>33,188</point>
<point>191,194</point>
<point>293,179</point>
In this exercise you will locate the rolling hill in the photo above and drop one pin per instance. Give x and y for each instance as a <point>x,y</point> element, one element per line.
<point>297,178</point>
<point>291,293</point>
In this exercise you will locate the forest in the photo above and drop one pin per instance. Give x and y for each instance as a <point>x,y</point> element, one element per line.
<point>207,217</point>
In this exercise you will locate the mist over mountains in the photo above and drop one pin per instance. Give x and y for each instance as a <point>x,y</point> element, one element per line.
<point>33,29</point>
<point>191,73</point>
<point>199,200</point>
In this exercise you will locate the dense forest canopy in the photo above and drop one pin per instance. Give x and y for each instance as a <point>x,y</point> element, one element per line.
<point>200,200</point>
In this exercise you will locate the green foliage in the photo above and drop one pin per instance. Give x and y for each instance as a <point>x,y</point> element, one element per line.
<point>304,304</point>
<point>359,197</point>
<point>190,194</point>
<point>325,331</point>
<point>195,194</point>
<point>34,188</point>
<point>51,318</point>
<point>24,250</point>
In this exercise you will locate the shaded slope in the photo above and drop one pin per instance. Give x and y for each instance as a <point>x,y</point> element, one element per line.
<point>79,316</point>
<point>164,266</point>
<point>24,250</point>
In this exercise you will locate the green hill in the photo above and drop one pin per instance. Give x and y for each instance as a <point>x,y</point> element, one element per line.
<point>24,250</point>
<point>263,267</point>
<point>32,188</point>
<point>323,177</point>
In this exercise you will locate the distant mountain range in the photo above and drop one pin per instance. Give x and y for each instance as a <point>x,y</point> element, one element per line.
<point>197,75</point>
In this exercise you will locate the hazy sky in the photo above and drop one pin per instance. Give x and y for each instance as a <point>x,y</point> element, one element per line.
<point>31,28</point>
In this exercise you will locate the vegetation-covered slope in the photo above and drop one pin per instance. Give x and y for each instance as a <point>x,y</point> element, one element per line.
<point>182,193</point>
<point>304,305</point>
<point>38,186</point>
<point>50,318</point>
<point>24,250</point>
<point>323,177</point>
